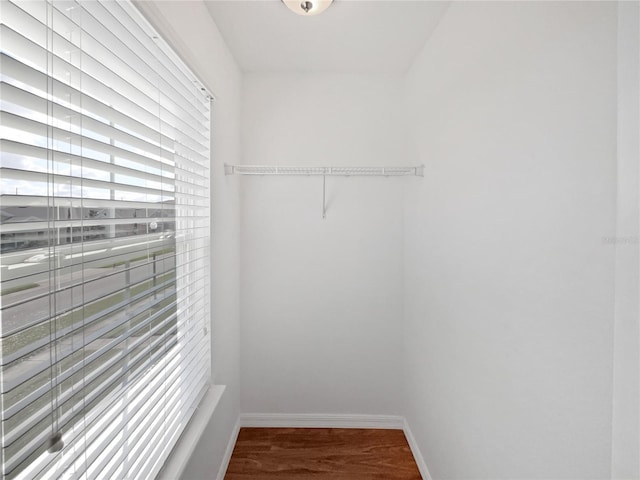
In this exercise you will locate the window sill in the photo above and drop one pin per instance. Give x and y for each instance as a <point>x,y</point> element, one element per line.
<point>177,461</point>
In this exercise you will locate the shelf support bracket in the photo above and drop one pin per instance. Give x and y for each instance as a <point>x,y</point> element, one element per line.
<point>324,196</point>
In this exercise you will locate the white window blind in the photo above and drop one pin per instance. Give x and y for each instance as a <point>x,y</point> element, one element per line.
<point>104,225</point>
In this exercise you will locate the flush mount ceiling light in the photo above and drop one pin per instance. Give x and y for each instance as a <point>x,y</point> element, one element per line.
<point>307,7</point>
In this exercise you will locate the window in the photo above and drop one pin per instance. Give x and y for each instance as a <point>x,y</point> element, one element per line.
<point>104,270</point>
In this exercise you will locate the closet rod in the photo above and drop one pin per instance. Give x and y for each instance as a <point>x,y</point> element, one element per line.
<point>336,171</point>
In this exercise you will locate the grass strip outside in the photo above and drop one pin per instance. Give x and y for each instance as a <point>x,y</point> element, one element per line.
<point>19,288</point>
<point>137,259</point>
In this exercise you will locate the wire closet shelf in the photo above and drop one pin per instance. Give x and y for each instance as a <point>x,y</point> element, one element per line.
<point>324,171</point>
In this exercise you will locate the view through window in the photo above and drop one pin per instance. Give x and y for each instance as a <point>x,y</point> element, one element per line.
<point>104,229</point>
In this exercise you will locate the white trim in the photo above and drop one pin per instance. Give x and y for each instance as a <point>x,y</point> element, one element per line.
<point>417,454</point>
<point>227,454</point>
<point>312,420</point>
<point>177,462</point>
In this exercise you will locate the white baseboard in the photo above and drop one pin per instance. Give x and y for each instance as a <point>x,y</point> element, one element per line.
<point>417,454</point>
<point>227,454</point>
<point>312,420</point>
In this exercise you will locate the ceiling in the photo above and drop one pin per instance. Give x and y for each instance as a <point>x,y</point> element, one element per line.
<point>352,36</point>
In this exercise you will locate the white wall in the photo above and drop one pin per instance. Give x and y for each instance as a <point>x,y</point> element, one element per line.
<point>196,38</point>
<point>322,299</point>
<point>626,373</point>
<point>509,285</point>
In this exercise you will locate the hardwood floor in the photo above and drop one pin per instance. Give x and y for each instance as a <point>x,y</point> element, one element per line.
<point>321,454</point>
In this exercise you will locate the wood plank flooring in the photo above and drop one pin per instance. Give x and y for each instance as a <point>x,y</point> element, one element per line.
<point>321,454</point>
